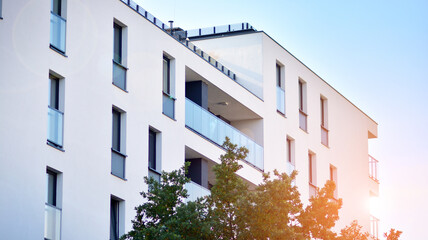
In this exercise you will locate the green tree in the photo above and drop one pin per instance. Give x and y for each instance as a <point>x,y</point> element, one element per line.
<point>321,214</point>
<point>273,207</point>
<point>393,234</point>
<point>353,232</point>
<point>228,194</point>
<point>165,215</point>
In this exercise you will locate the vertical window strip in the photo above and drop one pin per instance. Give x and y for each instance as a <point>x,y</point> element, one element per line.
<point>117,48</point>
<point>166,75</point>
<point>116,130</point>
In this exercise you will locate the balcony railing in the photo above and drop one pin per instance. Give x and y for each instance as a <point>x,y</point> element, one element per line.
<point>219,29</point>
<point>57,36</point>
<point>324,136</point>
<point>280,100</point>
<point>181,37</point>
<point>216,130</point>
<point>373,168</point>
<point>119,75</point>
<point>374,227</point>
<point>118,163</point>
<point>312,190</point>
<point>55,126</point>
<point>290,168</point>
<point>168,107</point>
<point>154,174</point>
<point>303,120</point>
<point>52,222</point>
<point>196,191</point>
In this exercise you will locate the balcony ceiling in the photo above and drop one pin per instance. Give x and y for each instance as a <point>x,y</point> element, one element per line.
<point>233,111</point>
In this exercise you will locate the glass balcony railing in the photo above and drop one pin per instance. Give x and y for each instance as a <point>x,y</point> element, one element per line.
<point>118,163</point>
<point>324,136</point>
<point>155,175</point>
<point>196,191</point>
<point>373,168</point>
<point>290,168</point>
<point>280,100</point>
<point>57,36</point>
<point>312,190</point>
<point>216,130</point>
<point>219,29</point>
<point>181,35</point>
<point>52,223</point>
<point>303,120</point>
<point>55,126</point>
<point>374,227</point>
<point>119,75</point>
<point>168,105</point>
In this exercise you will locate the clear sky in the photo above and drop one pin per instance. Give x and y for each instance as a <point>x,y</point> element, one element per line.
<point>375,53</point>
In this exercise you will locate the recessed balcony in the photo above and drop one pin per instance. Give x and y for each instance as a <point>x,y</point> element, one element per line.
<point>55,126</point>
<point>373,169</point>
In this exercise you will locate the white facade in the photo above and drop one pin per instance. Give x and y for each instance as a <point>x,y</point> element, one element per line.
<point>86,97</point>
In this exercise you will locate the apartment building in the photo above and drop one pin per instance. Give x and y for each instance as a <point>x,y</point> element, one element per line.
<point>96,95</point>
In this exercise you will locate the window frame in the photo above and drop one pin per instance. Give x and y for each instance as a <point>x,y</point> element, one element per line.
<point>166,84</point>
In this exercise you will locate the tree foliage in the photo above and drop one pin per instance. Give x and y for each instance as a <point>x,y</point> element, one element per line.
<point>272,210</point>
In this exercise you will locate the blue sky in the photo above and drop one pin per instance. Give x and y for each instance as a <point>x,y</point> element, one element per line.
<point>375,53</point>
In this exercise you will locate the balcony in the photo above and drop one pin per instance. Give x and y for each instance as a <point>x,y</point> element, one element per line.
<point>216,130</point>
<point>373,169</point>
<point>303,120</point>
<point>168,105</point>
<point>154,174</point>
<point>280,100</point>
<point>55,126</point>
<point>374,227</point>
<point>52,223</point>
<point>324,136</point>
<point>119,75</point>
<point>57,35</point>
<point>118,163</point>
<point>290,168</point>
<point>196,191</point>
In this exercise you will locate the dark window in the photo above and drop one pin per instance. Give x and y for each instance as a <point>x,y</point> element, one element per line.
<point>117,47</point>
<point>1,9</point>
<point>114,219</point>
<point>166,76</point>
<point>54,92</point>
<point>51,187</point>
<point>322,101</point>
<point>278,75</point>
<point>116,130</point>
<point>289,150</point>
<point>301,96</point>
<point>152,149</point>
<point>56,7</point>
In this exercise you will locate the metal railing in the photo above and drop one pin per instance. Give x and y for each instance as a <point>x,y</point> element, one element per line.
<point>324,136</point>
<point>119,75</point>
<point>303,120</point>
<point>219,29</point>
<point>52,222</point>
<point>181,37</point>
<point>280,100</point>
<point>373,168</point>
<point>55,126</point>
<point>213,128</point>
<point>374,227</point>
<point>168,105</point>
<point>196,191</point>
<point>57,34</point>
<point>118,163</point>
<point>313,191</point>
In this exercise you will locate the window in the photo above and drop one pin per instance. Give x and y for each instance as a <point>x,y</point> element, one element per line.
<point>116,218</point>
<point>302,106</point>
<point>333,177</point>
<point>290,155</point>
<point>312,175</point>
<point>119,52</point>
<point>324,130</point>
<point>167,87</point>
<point>58,25</point>
<point>118,146</point>
<point>1,9</point>
<point>154,154</point>
<point>52,210</point>
<point>55,111</point>
<point>280,84</point>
